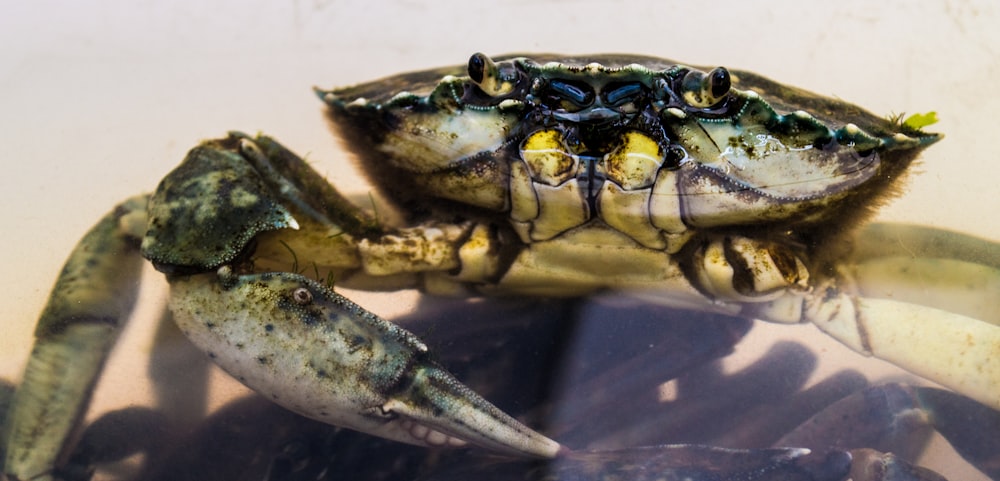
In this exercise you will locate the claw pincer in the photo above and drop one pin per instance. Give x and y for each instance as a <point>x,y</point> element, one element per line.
<point>317,353</point>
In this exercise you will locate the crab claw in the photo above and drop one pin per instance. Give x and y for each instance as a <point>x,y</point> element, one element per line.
<point>316,353</point>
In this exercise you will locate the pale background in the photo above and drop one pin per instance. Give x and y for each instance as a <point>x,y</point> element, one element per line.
<point>99,99</point>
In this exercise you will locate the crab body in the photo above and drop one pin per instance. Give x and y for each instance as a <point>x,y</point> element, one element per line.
<point>706,189</point>
<point>632,155</point>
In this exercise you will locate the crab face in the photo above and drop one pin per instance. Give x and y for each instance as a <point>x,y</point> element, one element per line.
<point>653,149</point>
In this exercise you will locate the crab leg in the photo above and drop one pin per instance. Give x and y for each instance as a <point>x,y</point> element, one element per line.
<point>883,305</point>
<point>927,302</point>
<point>922,340</point>
<point>953,349</point>
<point>92,297</point>
<point>318,354</point>
<point>932,267</point>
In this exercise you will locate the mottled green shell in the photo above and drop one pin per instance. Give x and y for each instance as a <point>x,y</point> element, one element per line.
<point>533,142</point>
<point>205,212</point>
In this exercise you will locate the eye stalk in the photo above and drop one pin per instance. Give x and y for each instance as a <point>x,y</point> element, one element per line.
<point>703,90</point>
<point>484,73</point>
<point>478,64</point>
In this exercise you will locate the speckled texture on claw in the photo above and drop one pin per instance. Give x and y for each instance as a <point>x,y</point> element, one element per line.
<point>209,208</point>
<point>313,351</point>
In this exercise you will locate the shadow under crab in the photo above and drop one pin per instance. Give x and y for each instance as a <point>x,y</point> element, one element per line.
<point>567,366</point>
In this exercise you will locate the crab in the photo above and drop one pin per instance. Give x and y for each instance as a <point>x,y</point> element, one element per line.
<point>694,188</point>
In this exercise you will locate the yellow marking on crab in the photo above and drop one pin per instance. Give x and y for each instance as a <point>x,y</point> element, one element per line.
<point>476,257</point>
<point>411,250</point>
<point>546,157</point>
<point>634,164</point>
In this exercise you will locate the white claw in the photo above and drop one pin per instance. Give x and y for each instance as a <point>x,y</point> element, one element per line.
<point>951,349</point>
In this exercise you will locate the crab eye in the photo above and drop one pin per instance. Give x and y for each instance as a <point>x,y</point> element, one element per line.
<point>487,76</point>
<point>719,82</point>
<point>477,67</point>
<point>703,90</point>
<point>572,96</point>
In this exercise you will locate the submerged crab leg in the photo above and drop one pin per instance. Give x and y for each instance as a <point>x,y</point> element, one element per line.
<point>949,348</point>
<point>927,302</point>
<point>317,353</point>
<point>92,297</point>
<point>889,317</point>
<point>954,350</point>
<point>932,267</point>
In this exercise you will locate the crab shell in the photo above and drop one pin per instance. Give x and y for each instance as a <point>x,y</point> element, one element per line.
<point>654,149</point>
